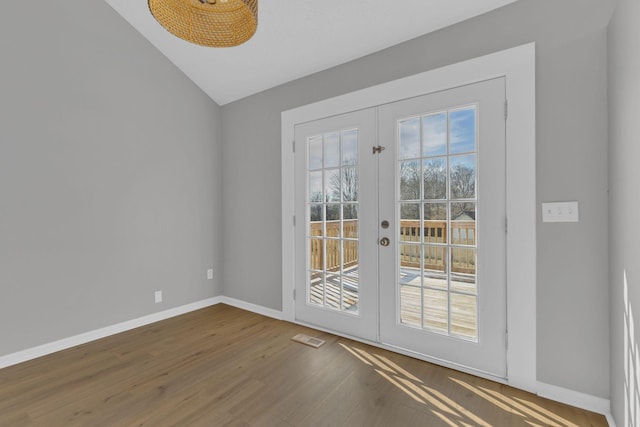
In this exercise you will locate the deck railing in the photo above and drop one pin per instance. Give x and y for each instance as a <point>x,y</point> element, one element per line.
<point>463,259</point>
<point>350,247</point>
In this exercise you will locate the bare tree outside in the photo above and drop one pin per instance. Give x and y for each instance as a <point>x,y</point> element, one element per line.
<point>435,179</point>
<point>346,183</point>
<point>410,180</point>
<point>434,172</point>
<point>463,182</point>
<point>462,186</point>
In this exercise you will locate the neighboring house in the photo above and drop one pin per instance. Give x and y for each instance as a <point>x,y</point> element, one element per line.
<point>466,216</point>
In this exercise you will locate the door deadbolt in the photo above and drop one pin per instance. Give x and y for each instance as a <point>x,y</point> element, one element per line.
<point>385,241</point>
<point>384,224</point>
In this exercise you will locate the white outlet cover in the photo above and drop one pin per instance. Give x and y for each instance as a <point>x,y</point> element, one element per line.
<point>158,296</point>
<point>560,212</point>
<point>210,274</point>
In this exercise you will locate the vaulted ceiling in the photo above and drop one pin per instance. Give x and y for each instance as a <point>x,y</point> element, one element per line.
<point>296,38</point>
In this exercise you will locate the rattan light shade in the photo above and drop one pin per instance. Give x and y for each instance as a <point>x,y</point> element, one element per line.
<point>216,23</point>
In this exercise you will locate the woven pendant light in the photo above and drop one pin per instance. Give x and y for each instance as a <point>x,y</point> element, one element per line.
<point>212,23</point>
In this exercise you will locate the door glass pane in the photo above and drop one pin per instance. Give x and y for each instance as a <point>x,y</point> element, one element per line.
<point>410,138</point>
<point>463,260</point>
<point>350,184</point>
<point>316,254</point>
<point>410,256</point>
<point>463,176</point>
<point>410,307</point>
<point>351,277</point>
<point>462,124</point>
<point>333,294</point>
<point>315,153</point>
<point>349,213</point>
<point>333,216</point>
<point>435,258</point>
<point>410,222</point>
<point>316,215</point>
<point>332,185</point>
<point>435,212</point>
<point>435,178</point>
<point>331,150</point>
<point>463,216</point>
<point>316,224</point>
<point>350,221</point>
<point>410,180</point>
<point>437,231</point>
<point>333,225</point>
<point>436,310</point>
<point>464,315</point>
<point>434,134</point>
<point>350,147</point>
<point>315,186</point>
<point>350,293</point>
<point>435,223</point>
<point>350,257</point>
<point>333,255</point>
<point>316,288</point>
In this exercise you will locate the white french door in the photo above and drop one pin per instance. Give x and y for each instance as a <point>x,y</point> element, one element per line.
<point>442,189</point>
<point>402,237</point>
<point>336,214</point>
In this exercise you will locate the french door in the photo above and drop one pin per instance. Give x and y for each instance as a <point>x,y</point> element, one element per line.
<point>403,238</point>
<point>443,275</point>
<point>336,243</point>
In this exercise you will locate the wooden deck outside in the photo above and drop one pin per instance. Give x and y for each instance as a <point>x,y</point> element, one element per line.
<point>425,302</point>
<point>325,248</point>
<point>435,299</point>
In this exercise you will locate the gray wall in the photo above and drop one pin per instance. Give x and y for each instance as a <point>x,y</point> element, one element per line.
<point>573,322</point>
<point>110,175</point>
<point>624,204</point>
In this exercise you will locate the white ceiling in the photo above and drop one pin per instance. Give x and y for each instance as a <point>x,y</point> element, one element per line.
<point>296,38</point>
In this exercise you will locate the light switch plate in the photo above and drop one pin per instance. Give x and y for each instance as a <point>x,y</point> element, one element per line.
<point>560,212</point>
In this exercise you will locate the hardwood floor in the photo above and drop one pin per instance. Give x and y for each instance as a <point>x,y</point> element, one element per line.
<point>222,366</point>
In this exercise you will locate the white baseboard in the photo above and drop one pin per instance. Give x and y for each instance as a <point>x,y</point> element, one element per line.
<point>63,344</point>
<point>591,403</point>
<point>258,309</point>
<point>610,420</point>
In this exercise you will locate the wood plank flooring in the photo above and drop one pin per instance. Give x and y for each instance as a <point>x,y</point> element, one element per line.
<point>222,366</point>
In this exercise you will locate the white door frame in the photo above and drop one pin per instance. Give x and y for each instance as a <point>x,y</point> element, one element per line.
<point>517,65</point>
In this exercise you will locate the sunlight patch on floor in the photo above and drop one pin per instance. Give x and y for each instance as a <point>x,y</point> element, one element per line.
<point>445,408</point>
<point>441,406</point>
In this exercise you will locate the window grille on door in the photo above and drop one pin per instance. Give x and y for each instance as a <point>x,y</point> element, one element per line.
<point>332,237</point>
<point>437,164</point>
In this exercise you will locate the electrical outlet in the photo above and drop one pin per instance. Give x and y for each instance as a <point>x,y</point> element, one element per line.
<point>210,274</point>
<point>560,212</point>
<point>158,296</point>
